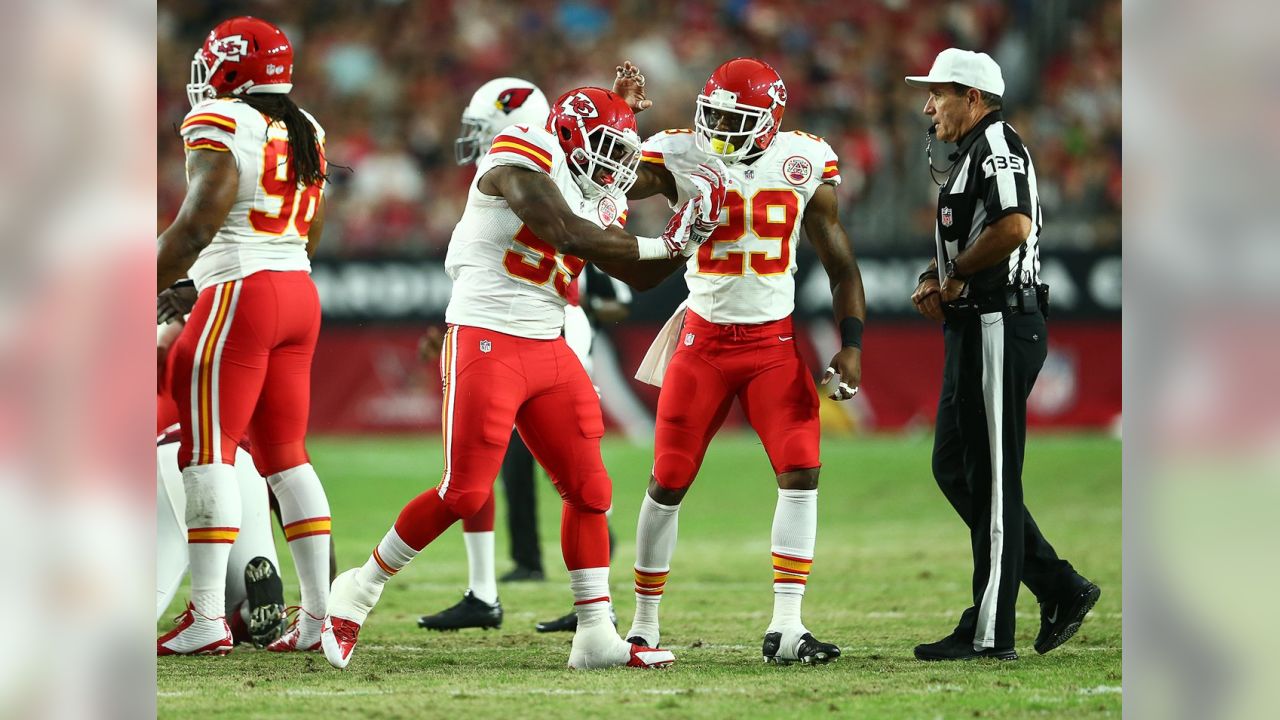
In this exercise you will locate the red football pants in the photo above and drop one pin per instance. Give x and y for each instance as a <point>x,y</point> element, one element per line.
<point>492,381</point>
<point>759,365</point>
<point>243,364</point>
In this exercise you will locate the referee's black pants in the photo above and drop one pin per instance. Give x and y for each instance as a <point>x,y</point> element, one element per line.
<point>992,360</point>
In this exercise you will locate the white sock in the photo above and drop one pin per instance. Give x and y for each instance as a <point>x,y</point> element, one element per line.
<point>213,522</point>
<point>656,531</point>
<point>387,559</point>
<point>590,588</point>
<point>304,510</point>
<point>795,530</point>
<point>481,579</point>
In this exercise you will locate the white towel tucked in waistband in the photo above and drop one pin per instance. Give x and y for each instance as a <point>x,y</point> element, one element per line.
<point>656,359</point>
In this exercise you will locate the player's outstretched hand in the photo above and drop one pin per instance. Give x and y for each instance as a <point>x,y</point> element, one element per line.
<point>629,85</point>
<point>175,302</point>
<point>430,344</point>
<point>846,370</point>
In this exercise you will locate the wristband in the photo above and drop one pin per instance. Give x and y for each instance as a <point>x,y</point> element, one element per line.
<point>851,332</point>
<point>930,273</point>
<point>651,248</point>
<point>183,283</point>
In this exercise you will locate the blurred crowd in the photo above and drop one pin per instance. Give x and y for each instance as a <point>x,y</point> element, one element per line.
<point>389,78</point>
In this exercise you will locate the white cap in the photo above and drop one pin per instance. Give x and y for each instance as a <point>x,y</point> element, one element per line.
<point>977,70</point>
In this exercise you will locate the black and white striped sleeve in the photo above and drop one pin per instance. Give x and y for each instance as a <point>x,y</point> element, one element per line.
<point>1003,176</point>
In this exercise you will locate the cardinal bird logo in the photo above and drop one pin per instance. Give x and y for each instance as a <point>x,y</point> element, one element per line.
<point>511,99</point>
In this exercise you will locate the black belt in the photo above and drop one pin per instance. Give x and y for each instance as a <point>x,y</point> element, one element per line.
<point>1025,300</point>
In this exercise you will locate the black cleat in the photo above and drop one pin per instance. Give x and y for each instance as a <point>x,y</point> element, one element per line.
<point>806,649</point>
<point>569,623</point>
<point>520,573</point>
<point>1060,620</point>
<point>953,647</point>
<point>265,601</point>
<point>470,612</point>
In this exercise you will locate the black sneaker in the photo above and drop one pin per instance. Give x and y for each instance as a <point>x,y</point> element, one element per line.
<point>569,623</point>
<point>954,647</point>
<point>265,601</point>
<point>1059,620</point>
<point>470,612</point>
<point>807,649</point>
<point>523,574</point>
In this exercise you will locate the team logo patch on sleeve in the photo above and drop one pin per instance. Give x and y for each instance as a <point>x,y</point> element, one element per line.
<point>608,211</point>
<point>797,170</point>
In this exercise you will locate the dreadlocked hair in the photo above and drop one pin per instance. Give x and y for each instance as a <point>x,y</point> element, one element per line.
<point>304,148</point>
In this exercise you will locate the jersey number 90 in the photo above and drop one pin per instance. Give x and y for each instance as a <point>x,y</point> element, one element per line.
<point>279,180</point>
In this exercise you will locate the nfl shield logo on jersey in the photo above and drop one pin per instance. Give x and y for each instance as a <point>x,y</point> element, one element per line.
<point>688,339</point>
<point>946,217</point>
<point>485,346</point>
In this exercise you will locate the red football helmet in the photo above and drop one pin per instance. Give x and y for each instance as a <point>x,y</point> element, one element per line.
<point>740,108</point>
<point>241,55</point>
<point>597,132</point>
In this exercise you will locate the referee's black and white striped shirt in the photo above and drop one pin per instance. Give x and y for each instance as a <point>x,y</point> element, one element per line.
<point>992,176</point>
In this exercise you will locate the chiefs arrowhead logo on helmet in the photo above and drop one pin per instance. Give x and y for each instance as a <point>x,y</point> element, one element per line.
<point>232,47</point>
<point>512,98</point>
<point>580,105</point>
<point>778,92</point>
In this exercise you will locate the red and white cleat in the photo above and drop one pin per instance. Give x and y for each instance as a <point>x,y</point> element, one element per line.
<point>196,634</point>
<point>303,634</point>
<point>599,646</point>
<point>647,657</point>
<point>338,638</point>
<point>350,603</point>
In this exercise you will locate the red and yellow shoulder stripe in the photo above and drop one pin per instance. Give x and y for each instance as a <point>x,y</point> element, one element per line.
<point>830,170</point>
<point>652,156</point>
<point>206,144</point>
<point>523,148</point>
<point>222,122</point>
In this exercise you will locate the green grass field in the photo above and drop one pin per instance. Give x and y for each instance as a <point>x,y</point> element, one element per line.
<point>892,570</point>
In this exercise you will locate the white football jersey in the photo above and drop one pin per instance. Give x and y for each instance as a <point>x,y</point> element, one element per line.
<point>746,272</point>
<point>504,277</point>
<point>268,224</point>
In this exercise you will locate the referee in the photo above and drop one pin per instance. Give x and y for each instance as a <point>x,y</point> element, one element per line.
<point>984,283</point>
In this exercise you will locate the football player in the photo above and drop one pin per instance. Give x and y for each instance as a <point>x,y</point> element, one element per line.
<point>495,105</point>
<point>252,215</point>
<point>255,595</point>
<point>736,339</point>
<point>544,202</point>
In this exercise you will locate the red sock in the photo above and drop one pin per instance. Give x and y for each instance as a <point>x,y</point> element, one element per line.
<point>584,539</point>
<point>482,521</point>
<point>423,519</point>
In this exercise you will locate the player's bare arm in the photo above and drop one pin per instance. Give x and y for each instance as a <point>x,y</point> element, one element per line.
<point>997,241</point>
<point>213,179</point>
<point>317,229</point>
<point>848,301</point>
<point>540,205</point>
<point>653,179</point>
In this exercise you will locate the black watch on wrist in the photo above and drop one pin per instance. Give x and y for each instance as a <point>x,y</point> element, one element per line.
<point>951,270</point>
